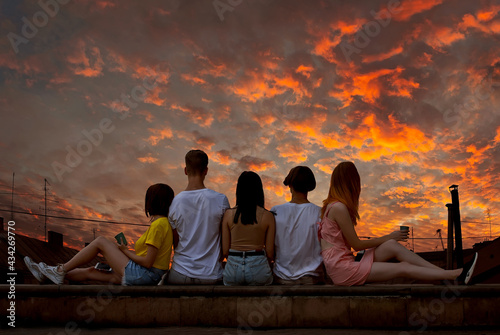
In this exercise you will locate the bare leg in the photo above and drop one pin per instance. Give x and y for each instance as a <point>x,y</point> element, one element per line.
<point>392,249</point>
<point>114,256</point>
<point>83,274</point>
<point>382,271</point>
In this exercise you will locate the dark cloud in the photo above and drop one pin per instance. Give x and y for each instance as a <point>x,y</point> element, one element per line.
<point>127,88</point>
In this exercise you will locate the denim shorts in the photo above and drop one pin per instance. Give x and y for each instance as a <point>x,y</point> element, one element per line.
<point>247,270</point>
<point>176,278</point>
<point>135,274</point>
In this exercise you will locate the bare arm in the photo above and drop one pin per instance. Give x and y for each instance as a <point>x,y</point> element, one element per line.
<point>226,234</point>
<point>271,231</point>
<point>340,214</point>
<point>147,261</point>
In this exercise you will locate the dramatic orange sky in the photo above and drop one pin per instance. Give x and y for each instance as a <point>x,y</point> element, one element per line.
<point>104,98</point>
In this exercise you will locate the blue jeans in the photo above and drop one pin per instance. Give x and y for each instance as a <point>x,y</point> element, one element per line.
<point>248,270</point>
<point>135,274</point>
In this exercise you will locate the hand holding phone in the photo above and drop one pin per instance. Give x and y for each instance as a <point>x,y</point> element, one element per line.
<point>120,238</point>
<point>103,267</point>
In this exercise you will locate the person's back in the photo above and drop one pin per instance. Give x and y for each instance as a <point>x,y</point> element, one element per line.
<point>196,215</point>
<point>298,252</point>
<point>248,237</point>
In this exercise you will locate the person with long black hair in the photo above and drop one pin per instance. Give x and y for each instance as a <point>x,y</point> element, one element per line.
<point>248,235</point>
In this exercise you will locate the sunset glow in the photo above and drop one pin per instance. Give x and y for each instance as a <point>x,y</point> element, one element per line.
<point>107,97</point>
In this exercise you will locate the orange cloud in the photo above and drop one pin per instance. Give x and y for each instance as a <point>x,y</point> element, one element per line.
<point>147,115</point>
<point>326,40</point>
<point>387,138</point>
<point>371,85</point>
<point>407,9</point>
<point>470,21</point>
<point>305,70</point>
<point>488,14</point>
<point>204,142</point>
<point>293,153</point>
<point>159,134</point>
<point>193,79</point>
<point>197,114</point>
<point>147,159</point>
<point>153,97</point>
<point>442,36</point>
<point>222,157</point>
<point>383,56</point>
<point>86,60</point>
<point>256,164</point>
<point>264,119</point>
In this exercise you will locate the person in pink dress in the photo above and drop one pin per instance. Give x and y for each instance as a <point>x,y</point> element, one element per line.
<point>338,236</point>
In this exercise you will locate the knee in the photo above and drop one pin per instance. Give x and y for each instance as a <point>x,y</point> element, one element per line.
<point>390,244</point>
<point>99,240</point>
<point>404,269</point>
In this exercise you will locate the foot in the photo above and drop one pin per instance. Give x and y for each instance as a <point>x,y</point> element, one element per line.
<point>54,273</point>
<point>34,269</point>
<point>468,270</point>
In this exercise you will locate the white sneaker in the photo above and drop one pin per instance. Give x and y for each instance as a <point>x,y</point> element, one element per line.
<point>163,279</point>
<point>34,269</point>
<point>470,272</point>
<point>52,273</point>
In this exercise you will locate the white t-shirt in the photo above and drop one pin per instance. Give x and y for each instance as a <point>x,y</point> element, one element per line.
<point>298,251</point>
<point>197,215</point>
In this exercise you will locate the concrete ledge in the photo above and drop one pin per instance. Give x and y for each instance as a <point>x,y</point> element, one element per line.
<point>370,306</point>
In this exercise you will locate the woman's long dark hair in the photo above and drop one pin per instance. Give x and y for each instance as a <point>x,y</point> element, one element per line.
<point>249,195</point>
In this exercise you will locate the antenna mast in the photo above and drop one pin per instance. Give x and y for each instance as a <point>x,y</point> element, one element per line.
<point>12,201</point>
<point>45,189</point>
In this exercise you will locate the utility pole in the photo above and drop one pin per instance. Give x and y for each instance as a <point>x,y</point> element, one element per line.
<point>45,189</point>
<point>12,201</point>
<point>449,250</point>
<point>457,225</point>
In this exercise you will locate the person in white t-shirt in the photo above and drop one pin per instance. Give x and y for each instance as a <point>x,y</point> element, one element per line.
<point>195,217</point>
<point>298,251</point>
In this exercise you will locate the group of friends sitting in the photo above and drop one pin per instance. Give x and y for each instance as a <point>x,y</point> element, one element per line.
<point>294,243</point>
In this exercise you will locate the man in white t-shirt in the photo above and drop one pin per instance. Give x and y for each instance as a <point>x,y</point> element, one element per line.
<point>195,216</point>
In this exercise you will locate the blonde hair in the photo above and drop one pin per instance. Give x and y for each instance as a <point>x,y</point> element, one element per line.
<point>345,187</point>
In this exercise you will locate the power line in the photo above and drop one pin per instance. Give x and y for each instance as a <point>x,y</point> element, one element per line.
<point>75,219</point>
<point>480,222</point>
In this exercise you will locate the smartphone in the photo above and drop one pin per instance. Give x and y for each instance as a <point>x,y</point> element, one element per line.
<point>103,267</point>
<point>120,238</point>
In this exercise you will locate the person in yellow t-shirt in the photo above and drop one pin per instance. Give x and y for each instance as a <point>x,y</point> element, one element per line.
<point>144,266</point>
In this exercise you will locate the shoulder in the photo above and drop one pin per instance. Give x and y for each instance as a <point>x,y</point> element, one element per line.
<point>266,215</point>
<point>229,213</point>
<point>178,198</point>
<point>215,194</point>
<point>279,207</point>
<point>161,223</point>
<point>337,208</point>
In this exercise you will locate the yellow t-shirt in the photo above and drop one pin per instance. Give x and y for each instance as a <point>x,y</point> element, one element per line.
<point>159,235</point>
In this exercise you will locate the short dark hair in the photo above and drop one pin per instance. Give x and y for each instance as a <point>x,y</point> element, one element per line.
<point>301,178</point>
<point>196,162</point>
<point>249,195</point>
<point>158,199</point>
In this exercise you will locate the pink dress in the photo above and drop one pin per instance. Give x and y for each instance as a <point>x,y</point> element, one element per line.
<point>338,259</point>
